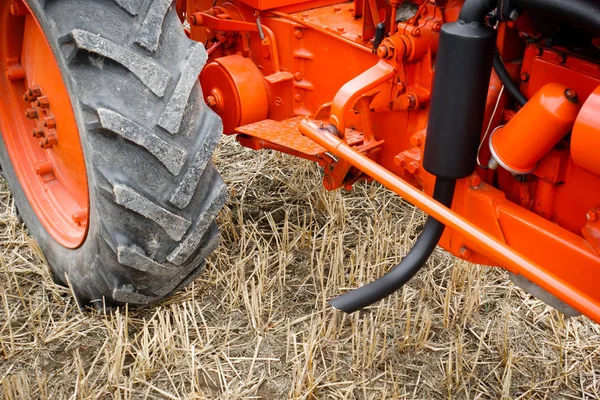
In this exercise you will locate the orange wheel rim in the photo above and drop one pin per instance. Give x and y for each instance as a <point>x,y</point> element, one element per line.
<point>39,127</point>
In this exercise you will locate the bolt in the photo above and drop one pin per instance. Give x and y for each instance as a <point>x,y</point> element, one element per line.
<point>410,101</point>
<point>14,72</point>
<point>539,51</point>
<point>591,215</point>
<point>413,167</point>
<point>514,14</point>
<point>31,113</point>
<point>561,58</point>
<point>50,123</point>
<point>304,15</point>
<point>416,140</point>
<point>36,91</point>
<point>400,160</point>
<point>298,76</point>
<point>211,100</point>
<point>384,52</point>
<point>42,102</point>
<point>524,77</point>
<point>340,29</point>
<point>327,182</point>
<point>474,181</point>
<point>416,32</point>
<point>38,132</point>
<point>571,95</point>
<point>298,97</point>
<point>298,33</point>
<point>465,252</point>
<point>437,27</point>
<point>49,140</point>
<point>337,8</point>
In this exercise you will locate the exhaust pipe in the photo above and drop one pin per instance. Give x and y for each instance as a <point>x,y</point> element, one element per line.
<point>463,68</point>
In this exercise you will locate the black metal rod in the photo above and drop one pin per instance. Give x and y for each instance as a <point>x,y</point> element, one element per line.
<point>409,266</point>
<point>506,79</point>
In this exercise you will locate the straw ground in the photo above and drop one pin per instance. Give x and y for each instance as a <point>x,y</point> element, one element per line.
<point>256,324</point>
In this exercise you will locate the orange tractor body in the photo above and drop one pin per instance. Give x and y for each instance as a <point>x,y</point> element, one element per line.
<point>285,75</point>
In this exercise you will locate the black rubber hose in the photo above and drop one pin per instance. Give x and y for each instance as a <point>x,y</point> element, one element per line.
<point>409,266</point>
<point>507,81</point>
<point>584,14</point>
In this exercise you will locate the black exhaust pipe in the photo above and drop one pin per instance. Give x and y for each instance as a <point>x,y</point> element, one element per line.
<point>463,68</point>
<point>408,267</point>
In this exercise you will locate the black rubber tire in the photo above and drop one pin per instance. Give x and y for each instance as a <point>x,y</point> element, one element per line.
<point>147,138</point>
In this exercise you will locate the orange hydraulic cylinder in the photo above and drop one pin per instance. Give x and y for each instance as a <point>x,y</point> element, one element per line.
<point>536,128</point>
<point>585,140</point>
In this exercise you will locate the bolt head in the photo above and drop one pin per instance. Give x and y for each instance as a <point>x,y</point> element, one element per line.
<point>298,32</point>
<point>413,167</point>
<point>298,97</point>
<point>400,160</point>
<point>591,215</point>
<point>211,100</point>
<point>416,140</point>
<point>474,181</point>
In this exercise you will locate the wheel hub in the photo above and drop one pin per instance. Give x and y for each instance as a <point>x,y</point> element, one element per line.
<point>39,127</point>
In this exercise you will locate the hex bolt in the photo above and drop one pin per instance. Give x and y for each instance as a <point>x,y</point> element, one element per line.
<point>591,215</point>
<point>337,8</point>
<point>524,77</point>
<point>298,76</point>
<point>340,29</point>
<point>413,167</point>
<point>211,101</point>
<point>31,113</point>
<point>38,132</point>
<point>383,52</point>
<point>437,27</point>
<point>416,32</point>
<point>416,140</point>
<point>36,91</point>
<point>400,160</point>
<point>561,58</point>
<point>42,102</point>
<point>49,123</point>
<point>539,51</point>
<point>298,33</point>
<point>298,97</point>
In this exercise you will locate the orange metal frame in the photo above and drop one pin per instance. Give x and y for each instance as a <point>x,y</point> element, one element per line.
<point>365,114</point>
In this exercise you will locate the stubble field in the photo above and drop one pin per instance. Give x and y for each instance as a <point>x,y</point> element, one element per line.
<point>256,325</point>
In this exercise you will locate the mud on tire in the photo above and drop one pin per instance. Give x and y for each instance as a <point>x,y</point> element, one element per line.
<point>147,138</point>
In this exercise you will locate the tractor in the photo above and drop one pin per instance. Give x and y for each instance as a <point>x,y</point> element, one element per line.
<point>482,113</point>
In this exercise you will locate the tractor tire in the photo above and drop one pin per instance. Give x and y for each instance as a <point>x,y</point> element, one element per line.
<point>147,139</point>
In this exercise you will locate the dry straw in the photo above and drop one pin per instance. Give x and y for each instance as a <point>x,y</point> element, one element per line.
<point>257,325</point>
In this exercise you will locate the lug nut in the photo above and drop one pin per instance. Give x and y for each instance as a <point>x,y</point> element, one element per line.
<point>49,123</point>
<point>211,100</point>
<point>42,102</point>
<point>38,132</point>
<point>31,113</point>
